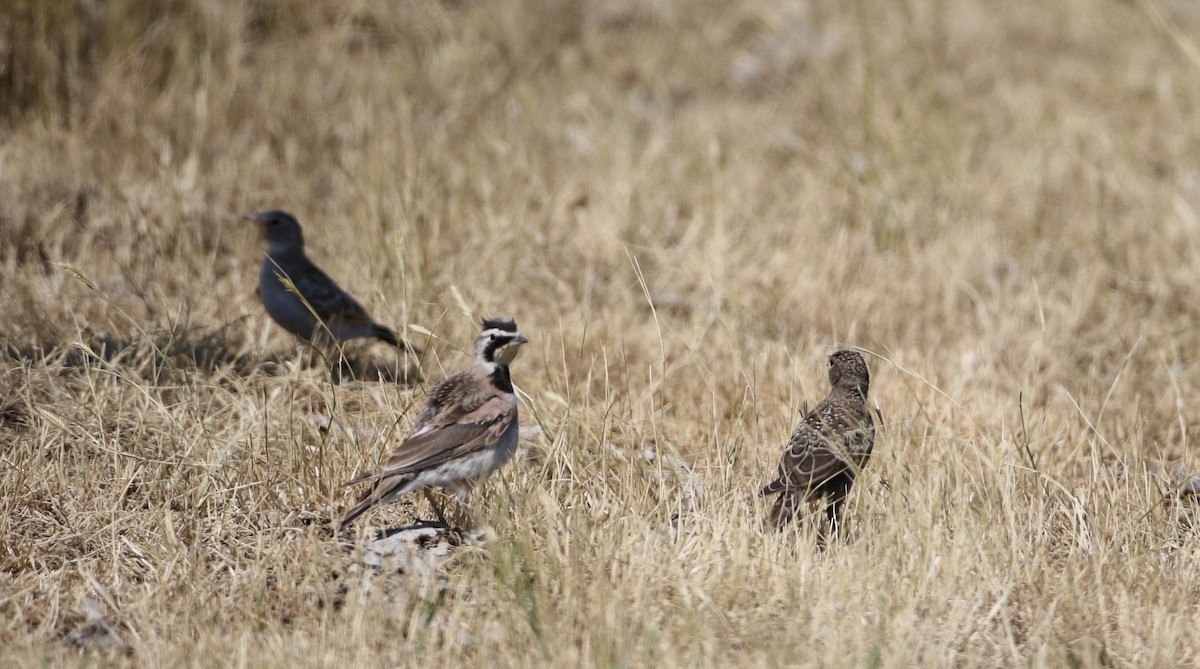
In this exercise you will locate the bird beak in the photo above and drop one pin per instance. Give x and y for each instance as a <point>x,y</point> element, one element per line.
<point>508,352</point>
<point>256,219</point>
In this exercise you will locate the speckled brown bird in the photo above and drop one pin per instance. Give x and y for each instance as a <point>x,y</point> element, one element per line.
<point>466,431</point>
<point>829,446</point>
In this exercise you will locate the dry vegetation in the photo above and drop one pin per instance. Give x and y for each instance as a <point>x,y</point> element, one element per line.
<point>686,205</point>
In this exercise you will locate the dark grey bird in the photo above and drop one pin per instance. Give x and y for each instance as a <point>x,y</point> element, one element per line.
<point>313,307</point>
<point>466,430</point>
<point>829,447</point>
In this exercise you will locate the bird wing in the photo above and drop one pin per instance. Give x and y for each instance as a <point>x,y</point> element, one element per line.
<point>326,298</point>
<point>429,449</point>
<point>827,442</point>
<point>461,415</point>
<point>438,444</point>
<point>810,459</point>
<point>448,400</point>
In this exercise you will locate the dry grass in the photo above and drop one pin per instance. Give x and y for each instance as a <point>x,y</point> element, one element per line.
<point>686,205</point>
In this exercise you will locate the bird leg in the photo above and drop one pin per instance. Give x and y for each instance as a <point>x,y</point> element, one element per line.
<point>437,508</point>
<point>463,493</point>
<point>830,529</point>
<point>341,366</point>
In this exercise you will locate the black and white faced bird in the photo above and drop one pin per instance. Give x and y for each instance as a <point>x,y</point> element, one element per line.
<point>301,298</point>
<point>466,431</point>
<point>829,446</point>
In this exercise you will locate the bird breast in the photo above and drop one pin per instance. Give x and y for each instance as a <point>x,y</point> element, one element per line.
<point>282,304</point>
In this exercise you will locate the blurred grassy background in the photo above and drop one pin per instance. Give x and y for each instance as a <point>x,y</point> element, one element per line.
<point>686,206</point>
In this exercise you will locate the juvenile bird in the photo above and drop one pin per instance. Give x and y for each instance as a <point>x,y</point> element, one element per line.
<point>313,308</point>
<point>829,446</point>
<point>466,430</point>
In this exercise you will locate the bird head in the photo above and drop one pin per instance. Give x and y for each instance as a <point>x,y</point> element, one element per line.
<point>279,228</point>
<point>499,341</point>
<point>848,370</point>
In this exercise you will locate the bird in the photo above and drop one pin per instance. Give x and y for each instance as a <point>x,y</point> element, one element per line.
<point>828,448</point>
<point>466,430</point>
<point>301,298</point>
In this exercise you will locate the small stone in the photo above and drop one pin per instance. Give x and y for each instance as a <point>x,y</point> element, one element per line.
<point>415,548</point>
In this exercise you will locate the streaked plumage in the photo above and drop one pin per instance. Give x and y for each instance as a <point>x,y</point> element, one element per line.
<point>466,430</point>
<point>326,314</point>
<point>829,446</point>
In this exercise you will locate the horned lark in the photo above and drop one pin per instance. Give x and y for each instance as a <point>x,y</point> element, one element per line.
<point>466,431</point>
<point>312,307</point>
<point>829,446</point>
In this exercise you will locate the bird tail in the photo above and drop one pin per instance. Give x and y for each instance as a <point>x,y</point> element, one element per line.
<point>784,508</point>
<point>357,510</point>
<point>381,490</point>
<point>773,487</point>
<point>388,335</point>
